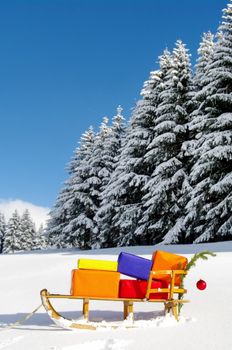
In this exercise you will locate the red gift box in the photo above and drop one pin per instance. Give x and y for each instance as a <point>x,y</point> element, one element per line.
<point>136,289</point>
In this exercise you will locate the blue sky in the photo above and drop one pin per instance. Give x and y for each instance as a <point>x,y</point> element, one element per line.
<point>66,64</point>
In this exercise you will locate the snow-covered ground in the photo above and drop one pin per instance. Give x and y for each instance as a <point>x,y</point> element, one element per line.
<point>206,322</point>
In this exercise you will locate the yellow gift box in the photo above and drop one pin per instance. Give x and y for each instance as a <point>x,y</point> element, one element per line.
<point>104,265</point>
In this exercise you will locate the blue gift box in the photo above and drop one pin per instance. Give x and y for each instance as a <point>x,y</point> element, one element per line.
<point>134,266</point>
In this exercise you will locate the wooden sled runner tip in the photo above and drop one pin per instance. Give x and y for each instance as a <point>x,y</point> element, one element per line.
<point>66,323</point>
<point>60,320</point>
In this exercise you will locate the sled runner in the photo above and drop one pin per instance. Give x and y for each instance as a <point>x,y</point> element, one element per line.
<point>162,286</point>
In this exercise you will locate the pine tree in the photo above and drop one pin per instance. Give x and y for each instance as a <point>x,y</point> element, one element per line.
<point>2,231</point>
<point>59,218</point>
<point>43,237</point>
<point>197,118</point>
<point>122,198</point>
<point>152,151</point>
<point>209,212</point>
<point>28,236</point>
<point>169,181</point>
<point>112,146</point>
<point>40,239</point>
<point>13,235</point>
<point>101,158</point>
<point>111,152</point>
<point>205,53</point>
<point>73,199</point>
<point>100,171</point>
<point>197,123</point>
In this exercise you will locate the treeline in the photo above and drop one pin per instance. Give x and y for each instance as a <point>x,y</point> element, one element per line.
<point>167,175</point>
<point>20,234</point>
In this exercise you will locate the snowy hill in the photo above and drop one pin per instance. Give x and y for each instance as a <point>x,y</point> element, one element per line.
<point>205,323</point>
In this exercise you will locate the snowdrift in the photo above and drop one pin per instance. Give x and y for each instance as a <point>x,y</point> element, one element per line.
<point>205,322</point>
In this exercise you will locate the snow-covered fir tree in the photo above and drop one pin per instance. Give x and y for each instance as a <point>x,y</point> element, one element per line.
<point>100,160</point>
<point>97,175</point>
<point>196,122</point>
<point>197,118</point>
<point>73,219</point>
<point>205,53</point>
<point>112,146</point>
<point>28,232</point>
<point>169,181</point>
<point>209,215</point>
<point>41,241</point>
<point>101,167</point>
<point>66,218</point>
<point>152,151</point>
<point>122,198</point>
<point>59,218</point>
<point>2,230</point>
<point>13,234</point>
<point>110,156</point>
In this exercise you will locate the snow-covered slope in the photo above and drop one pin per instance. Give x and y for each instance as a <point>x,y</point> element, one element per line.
<point>206,322</point>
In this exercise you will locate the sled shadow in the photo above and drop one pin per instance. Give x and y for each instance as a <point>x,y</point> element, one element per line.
<point>41,321</point>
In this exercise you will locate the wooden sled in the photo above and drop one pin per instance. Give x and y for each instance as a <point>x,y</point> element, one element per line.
<point>170,305</point>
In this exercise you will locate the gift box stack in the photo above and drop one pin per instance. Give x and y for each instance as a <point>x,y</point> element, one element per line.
<point>101,279</point>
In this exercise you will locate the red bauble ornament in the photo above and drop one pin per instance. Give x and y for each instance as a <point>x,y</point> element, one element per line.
<point>201,285</point>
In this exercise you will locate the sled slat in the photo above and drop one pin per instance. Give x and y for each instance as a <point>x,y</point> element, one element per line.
<point>64,296</point>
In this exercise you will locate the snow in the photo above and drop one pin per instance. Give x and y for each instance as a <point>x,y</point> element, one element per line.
<point>205,322</point>
<point>109,344</point>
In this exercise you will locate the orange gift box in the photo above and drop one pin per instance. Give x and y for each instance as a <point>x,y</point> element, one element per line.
<point>94,283</point>
<point>168,261</point>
